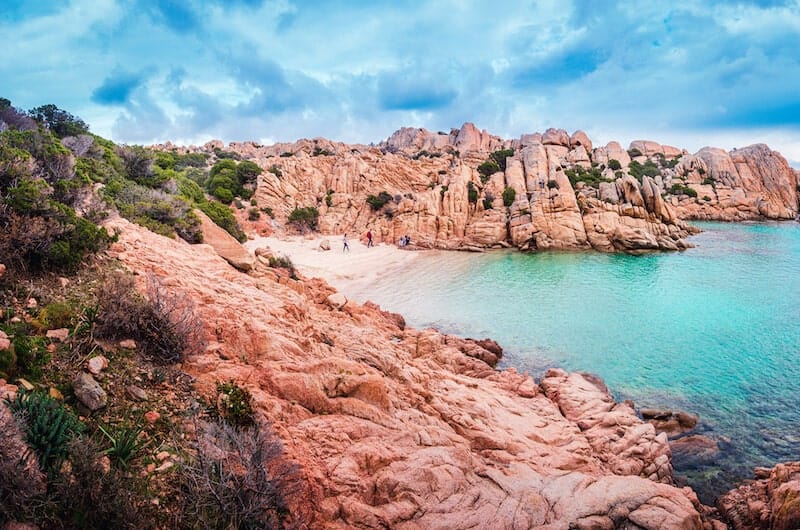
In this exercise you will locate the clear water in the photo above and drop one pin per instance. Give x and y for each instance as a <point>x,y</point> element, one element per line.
<point>714,330</point>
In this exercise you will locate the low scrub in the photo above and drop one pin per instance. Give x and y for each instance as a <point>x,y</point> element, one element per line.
<point>376,202</point>
<point>162,323</point>
<point>304,218</point>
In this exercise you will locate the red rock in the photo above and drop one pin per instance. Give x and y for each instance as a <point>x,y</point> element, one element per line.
<point>61,335</point>
<point>152,417</point>
<point>96,364</point>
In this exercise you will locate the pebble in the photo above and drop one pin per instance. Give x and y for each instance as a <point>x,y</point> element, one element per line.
<point>97,364</point>
<point>152,417</point>
<point>136,393</point>
<point>60,334</point>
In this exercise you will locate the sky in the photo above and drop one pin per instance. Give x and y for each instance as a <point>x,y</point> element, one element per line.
<point>687,73</point>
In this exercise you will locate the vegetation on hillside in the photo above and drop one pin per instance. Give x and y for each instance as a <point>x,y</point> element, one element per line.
<point>141,452</point>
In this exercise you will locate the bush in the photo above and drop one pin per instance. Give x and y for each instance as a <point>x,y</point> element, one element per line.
<point>680,189</point>
<point>283,262</point>
<point>239,479</point>
<point>634,152</point>
<point>614,164</point>
<point>47,425</point>
<point>275,170</point>
<point>162,323</point>
<point>552,184</point>
<point>248,172</point>
<point>329,198</point>
<point>637,170</point>
<point>305,218</point>
<point>253,214</point>
<point>472,193</point>
<point>709,180</point>
<point>592,177</point>
<point>224,218</point>
<point>487,169</point>
<point>509,194</point>
<point>500,156</point>
<point>376,202</point>
<point>234,404</point>
<point>488,201</point>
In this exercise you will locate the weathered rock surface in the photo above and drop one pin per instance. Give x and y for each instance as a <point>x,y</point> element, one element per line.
<point>669,422</point>
<point>404,428</point>
<point>224,244</point>
<point>771,502</point>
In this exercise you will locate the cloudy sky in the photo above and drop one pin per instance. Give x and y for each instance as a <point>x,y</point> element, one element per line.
<point>688,73</point>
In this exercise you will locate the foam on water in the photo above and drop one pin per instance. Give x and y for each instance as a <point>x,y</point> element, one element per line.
<point>714,330</point>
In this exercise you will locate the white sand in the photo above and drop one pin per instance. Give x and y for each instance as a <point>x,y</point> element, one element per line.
<point>344,270</point>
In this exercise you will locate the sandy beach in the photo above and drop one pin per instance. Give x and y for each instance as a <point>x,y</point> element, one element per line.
<point>356,268</point>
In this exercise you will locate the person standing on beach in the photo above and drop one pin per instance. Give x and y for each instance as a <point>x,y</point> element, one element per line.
<point>346,246</point>
<point>369,238</point>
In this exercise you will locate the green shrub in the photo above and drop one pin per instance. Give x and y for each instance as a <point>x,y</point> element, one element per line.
<point>681,189</point>
<point>248,172</point>
<point>592,177</point>
<point>443,190</point>
<point>329,198</point>
<point>318,151</point>
<point>552,184</point>
<point>286,154</point>
<point>487,202</point>
<point>634,152</point>
<point>499,157</point>
<point>638,171</point>
<point>376,202</point>
<point>283,262</point>
<point>487,169</point>
<point>59,121</point>
<point>306,217</point>
<point>472,193</point>
<point>234,404</point>
<point>509,194</point>
<point>48,427</point>
<point>706,198</point>
<point>224,218</point>
<point>56,315</point>
<point>267,210</point>
<point>253,214</point>
<point>709,180</point>
<point>614,164</point>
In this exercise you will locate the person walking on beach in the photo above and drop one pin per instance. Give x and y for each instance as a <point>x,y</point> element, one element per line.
<point>346,246</point>
<point>369,238</point>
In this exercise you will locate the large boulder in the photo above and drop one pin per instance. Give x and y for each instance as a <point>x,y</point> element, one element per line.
<point>224,244</point>
<point>773,501</point>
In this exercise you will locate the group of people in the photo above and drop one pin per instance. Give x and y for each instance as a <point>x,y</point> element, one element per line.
<point>404,241</point>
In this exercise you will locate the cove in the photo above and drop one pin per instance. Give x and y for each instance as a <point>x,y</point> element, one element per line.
<point>714,330</point>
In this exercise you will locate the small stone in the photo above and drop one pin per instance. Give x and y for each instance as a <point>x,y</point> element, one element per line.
<point>97,364</point>
<point>127,344</point>
<point>63,282</point>
<point>324,245</point>
<point>150,468</point>
<point>5,342</point>
<point>24,383</point>
<point>55,393</point>
<point>136,393</point>
<point>152,417</point>
<point>60,334</point>
<point>89,392</point>
<point>155,501</point>
<point>163,455</point>
<point>105,463</point>
<point>15,320</point>
<point>32,303</point>
<point>2,270</point>
<point>337,300</point>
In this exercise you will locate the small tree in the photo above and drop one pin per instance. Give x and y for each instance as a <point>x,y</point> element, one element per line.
<point>305,218</point>
<point>614,164</point>
<point>60,122</point>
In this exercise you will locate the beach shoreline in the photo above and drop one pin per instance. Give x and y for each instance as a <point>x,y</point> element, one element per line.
<point>344,270</point>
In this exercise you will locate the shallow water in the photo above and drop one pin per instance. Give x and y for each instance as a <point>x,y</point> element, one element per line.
<point>714,330</point>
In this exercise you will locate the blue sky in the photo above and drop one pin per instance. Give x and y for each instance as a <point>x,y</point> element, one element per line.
<point>688,73</point>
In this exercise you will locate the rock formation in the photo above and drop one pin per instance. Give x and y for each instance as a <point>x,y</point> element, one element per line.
<point>567,193</point>
<point>771,501</point>
<point>405,428</point>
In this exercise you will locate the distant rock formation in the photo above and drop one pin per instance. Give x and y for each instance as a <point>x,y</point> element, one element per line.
<point>468,189</point>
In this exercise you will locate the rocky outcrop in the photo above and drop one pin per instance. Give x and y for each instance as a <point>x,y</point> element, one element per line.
<point>772,501</point>
<point>568,194</point>
<point>404,428</point>
<point>224,244</point>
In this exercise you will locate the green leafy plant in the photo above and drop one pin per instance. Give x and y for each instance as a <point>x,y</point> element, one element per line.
<point>614,164</point>
<point>487,169</point>
<point>48,427</point>
<point>234,404</point>
<point>472,193</point>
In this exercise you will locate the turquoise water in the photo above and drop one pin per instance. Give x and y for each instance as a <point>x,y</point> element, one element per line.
<point>714,330</point>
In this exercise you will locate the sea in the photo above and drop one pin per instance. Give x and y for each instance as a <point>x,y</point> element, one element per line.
<point>713,330</point>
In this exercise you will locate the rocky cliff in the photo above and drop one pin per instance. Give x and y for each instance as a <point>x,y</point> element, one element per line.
<point>404,428</point>
<point>467,189</point>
